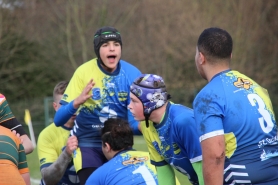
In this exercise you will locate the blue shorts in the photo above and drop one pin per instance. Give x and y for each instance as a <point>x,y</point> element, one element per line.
<point>88,157</point>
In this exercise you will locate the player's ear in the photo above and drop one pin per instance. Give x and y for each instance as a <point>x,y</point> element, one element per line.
<point>55,106</point>
<point>202,58</point>
<point>107,147</point>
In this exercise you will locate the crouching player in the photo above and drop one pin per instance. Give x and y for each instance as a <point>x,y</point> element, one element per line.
<point>125,165</point>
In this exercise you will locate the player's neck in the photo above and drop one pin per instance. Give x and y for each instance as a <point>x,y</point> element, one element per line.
<point>157,115</point>
<point>211,71</point>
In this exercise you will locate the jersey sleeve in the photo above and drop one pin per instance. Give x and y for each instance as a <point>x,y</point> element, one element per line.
<point>151,137</point>
<point>186,132</point>
<point>208,114</point>
<point>22,160</point>
<point>75,87</point>
<point>46,152</point>
<point>7,118</point>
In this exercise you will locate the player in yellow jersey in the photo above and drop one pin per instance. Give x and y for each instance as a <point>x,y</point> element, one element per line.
<point>53,149</point>
<point>98,90</point>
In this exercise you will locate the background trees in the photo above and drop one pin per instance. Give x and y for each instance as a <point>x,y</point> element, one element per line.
<point>42,42</point>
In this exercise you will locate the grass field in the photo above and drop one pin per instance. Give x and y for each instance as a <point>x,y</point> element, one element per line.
<point>139,144</point>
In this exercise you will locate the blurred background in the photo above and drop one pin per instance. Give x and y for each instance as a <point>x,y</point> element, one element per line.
<point>43,41</point>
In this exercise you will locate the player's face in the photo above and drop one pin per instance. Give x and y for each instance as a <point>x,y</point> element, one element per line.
<point>198,58</point>
<point>110,54</point>
<point>136,108</point>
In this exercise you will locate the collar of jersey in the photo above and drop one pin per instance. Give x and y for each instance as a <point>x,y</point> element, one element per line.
<point>165,116</point>
<point>115,73</point>
<point>123,151</point>
<point>220,73</point>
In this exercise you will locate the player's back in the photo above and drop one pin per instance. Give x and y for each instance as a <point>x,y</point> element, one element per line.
<point>127,167</point>
<point>12,159</point>
<point>248,124</point>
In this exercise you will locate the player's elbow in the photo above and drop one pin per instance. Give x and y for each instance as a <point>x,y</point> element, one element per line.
<point>29,149</point>
<point>27,144</point>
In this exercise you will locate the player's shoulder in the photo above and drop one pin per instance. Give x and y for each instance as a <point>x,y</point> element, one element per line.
<point>179,109</point>
<point>10,137</point>
<point>128,66</point>
<point>51,132</point>
<point>88,65</point>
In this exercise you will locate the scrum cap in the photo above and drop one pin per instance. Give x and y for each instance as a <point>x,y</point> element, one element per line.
<point>104,35</point>
<point>151,91</point>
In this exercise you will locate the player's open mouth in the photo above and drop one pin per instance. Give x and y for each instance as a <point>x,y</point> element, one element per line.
<point>111,58</point>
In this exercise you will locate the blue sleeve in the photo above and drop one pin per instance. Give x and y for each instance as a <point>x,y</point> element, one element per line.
<point>64,114</point>
<point>186,132</point>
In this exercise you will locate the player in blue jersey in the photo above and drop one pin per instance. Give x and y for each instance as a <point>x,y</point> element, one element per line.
<point>55,148</point>
<point>171,132</point>
<point>98,90</point>
<point>126,165</point>
<point>234,117</point>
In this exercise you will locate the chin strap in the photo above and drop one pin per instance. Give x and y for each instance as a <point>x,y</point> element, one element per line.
<point>147,120</point>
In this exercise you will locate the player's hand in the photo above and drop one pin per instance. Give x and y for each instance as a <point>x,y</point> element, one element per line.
<point>72,144</point>
<point>18,135</point>
<point>85,95</point>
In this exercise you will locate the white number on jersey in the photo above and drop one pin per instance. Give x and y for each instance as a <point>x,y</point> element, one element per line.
<point>146,174</point>
<point>265,114</point>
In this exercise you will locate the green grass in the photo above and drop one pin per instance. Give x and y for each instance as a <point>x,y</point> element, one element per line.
<point>139,144</point>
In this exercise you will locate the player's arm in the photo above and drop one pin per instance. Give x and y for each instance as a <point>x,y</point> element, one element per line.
<point>23,166</point>
<point>190,139</point>
<point>66,111</point>
<point>54,173</point>
<point>213,159</point>
<point>26,177</point>
<point>199,171</point>
<point>165,175</point>
<point>18,130</point>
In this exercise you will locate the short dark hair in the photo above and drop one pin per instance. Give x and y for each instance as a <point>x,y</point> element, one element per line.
<point>59,89</point>
<point>117,133</point>
<point>216,43</point>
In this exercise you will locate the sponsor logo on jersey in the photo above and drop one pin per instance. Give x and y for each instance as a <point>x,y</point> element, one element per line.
<point>42,161</point>
<point>65,96</point>
<point>135,160</point>
<point>176,148</point>
<point>243,83</point>
<point>96,93</point>
<point>122,96</point>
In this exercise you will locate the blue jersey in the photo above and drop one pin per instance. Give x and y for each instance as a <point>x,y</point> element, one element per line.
<point>125,168</point>
<point>174,141</point>
<point>235,106</point>
<point>110,98</point>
